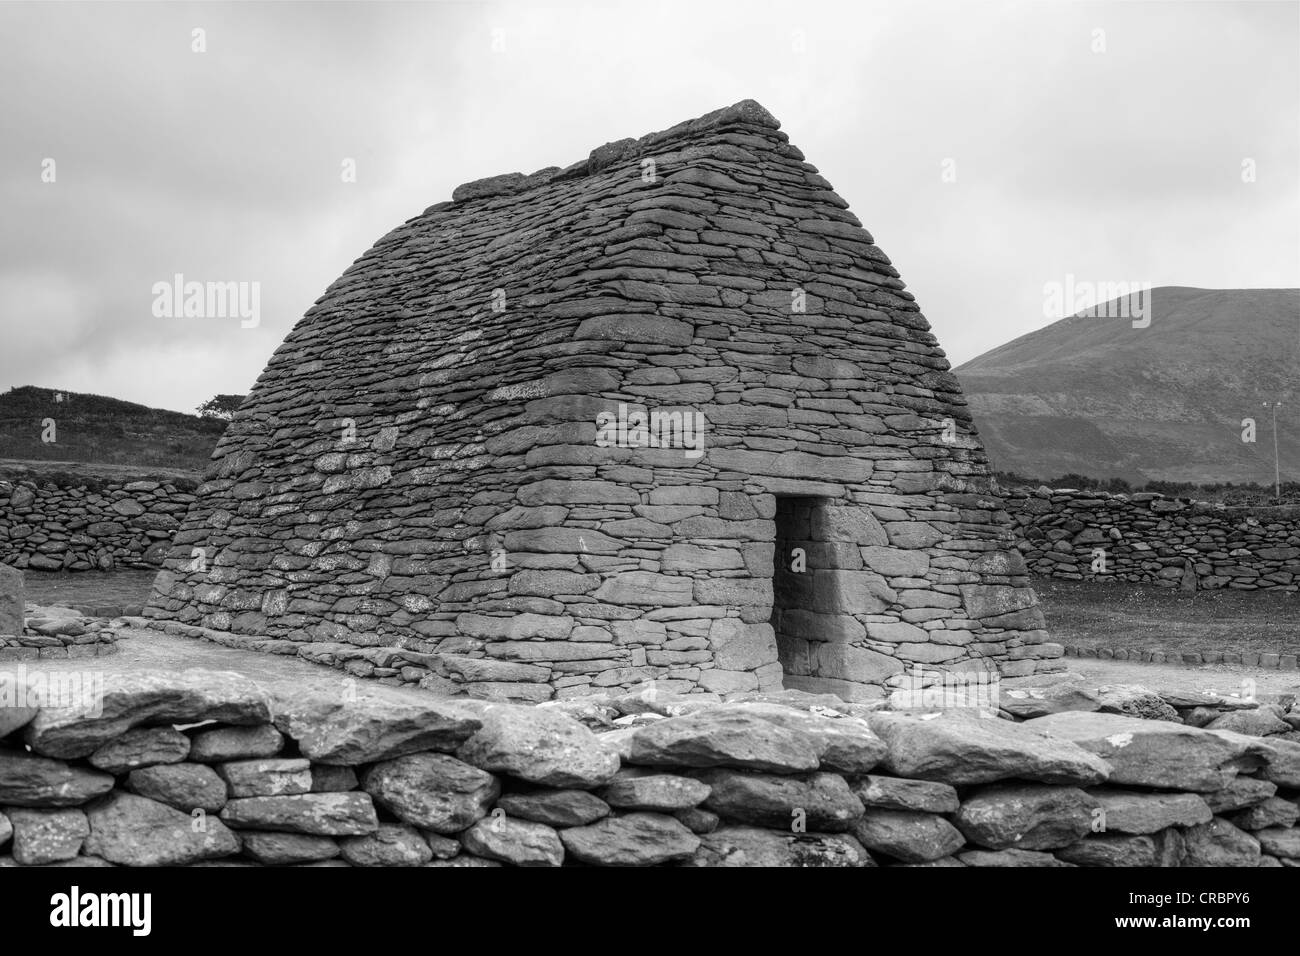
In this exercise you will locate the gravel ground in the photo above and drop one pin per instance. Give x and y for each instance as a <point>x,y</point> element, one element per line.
<point>146,649</point>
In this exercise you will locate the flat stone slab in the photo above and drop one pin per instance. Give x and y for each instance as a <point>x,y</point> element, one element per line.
<point>518,842</point>
<point>634,839</point>
<point>1124,811</point>
<point>145,697</point>
<point>432,791</point>
<point>321,814</point>
<point>907,836</point>
<point>216,744</point>
<point>540,746</point>
<point>1155,753</point>
<point>753,846</point>
<point>141,747</point>
<point>635,788</point>
<point>816,801</point>
<point>27,780</point>
<point>895,793</point>
<point>724,739</point>
<point>130,830</point>
<point>1026,817</point>
<point>373,727</point>
<point>844,744</point>
<point>960,749</point>
<point>556,808</point>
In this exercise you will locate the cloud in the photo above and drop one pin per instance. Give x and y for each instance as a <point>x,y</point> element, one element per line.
<point>225,165</point>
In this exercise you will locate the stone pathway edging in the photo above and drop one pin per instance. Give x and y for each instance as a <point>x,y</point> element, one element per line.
<point>1286,662</point>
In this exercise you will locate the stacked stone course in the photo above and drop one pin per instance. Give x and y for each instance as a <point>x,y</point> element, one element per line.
<point>1059,776</point>
<point>420,466</point>
<point>1153,539</point>
<point>67,526</point>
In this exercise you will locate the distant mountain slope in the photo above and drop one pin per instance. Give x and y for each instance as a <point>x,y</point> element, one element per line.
<point>1098,397</point>
<point>93,428</point>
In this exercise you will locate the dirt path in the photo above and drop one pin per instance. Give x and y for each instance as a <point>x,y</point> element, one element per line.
<point>1224,678</point>
<point>146,649</point>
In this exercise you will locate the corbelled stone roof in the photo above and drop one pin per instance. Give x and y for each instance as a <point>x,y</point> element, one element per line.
<point>745,113</point>
<point>416,479</point>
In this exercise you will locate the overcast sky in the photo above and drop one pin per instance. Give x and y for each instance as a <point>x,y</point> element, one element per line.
<point>1112,155</point>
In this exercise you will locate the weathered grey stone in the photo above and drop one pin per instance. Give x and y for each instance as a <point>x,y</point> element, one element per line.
<point>540,746</point>
<point>12,598</point>
<point>1026,816</point>
<point>816,801</point>
<point>133,698</point>
<point>1153,753</point>
<point>894,793</point>
<point>556,808</point>
<point>322,814</point>
<point>131,830</point>
<point>636,789</point>
<point>1124,811</point>
<point>1240,792</point>
<point>697,820</point>
<point>514,841</point>
<point>1134,701</point>
<point>906,835</point>
<point>47,836</point>
<point>1106,849</point>
<point>957,749</point>
<point>1252,723</point>
<point>216,744</point>
<point>338,731</point>
<point>724,738</point>
<point>432,791</point>
<point>1280,842</point>
<point>753,846</point>
<point>267,777</point>
<point>30,781</point>
<point>185,786</point>
<point>141,747</point>
<point>1041,701</point>
<point>391,845</point>
<point>1273,812</point>
<point>281,849</point>
<point>1009,858</point>
<point>1281,761</point>
<point>1219,843</point>
<point>844,744</point>
<point>634,839</point>
<point>327,779</point>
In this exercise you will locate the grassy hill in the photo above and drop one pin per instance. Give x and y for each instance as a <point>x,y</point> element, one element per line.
<point>106,431</point>
<point>1097,397</point>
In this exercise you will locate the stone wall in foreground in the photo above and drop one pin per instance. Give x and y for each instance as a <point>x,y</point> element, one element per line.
<point>1152,539</point>
<point>204,768</point>
<point>56,526</point>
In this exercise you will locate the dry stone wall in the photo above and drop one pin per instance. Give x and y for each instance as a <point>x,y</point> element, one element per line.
<point>550,428</point>
<point>206,768</point>
<point>63,526</point>
<point>1153,539</point>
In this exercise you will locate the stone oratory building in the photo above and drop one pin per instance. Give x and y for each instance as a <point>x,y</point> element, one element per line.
<point>665,415</point>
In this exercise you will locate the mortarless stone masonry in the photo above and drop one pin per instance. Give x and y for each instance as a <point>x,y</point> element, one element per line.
<point>444,458</point>
<point>1151,539</point>
<point>398,778</point>
<point>67,524</point>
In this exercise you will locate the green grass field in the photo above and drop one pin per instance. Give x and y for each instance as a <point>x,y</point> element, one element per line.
<point>1140,617</point>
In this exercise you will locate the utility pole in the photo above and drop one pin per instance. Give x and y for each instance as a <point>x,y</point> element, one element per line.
<point>1277,467</point>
